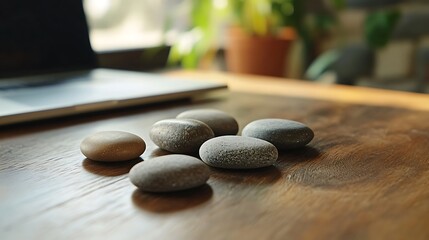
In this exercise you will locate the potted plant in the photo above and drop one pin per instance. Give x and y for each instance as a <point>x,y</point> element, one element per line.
<point>260,39</point>
<point>258,36</point>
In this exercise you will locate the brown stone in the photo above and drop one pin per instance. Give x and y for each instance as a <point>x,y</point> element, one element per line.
<point>112,146</point>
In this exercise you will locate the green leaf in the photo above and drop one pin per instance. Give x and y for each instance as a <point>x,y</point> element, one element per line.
<point>174,56</point>
<point>338,4</point>
<point>283,11</point>
<point>190,60</point>
<point>379,27</point>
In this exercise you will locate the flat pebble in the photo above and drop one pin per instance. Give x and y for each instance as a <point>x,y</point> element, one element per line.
<point>284,134</point>
<point>169,173</point>
<point>180,135</point>
<point>220,122</point>
<point>112,146</point>
<point>238,152</point>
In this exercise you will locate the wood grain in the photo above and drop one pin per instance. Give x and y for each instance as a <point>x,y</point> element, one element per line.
<point>364,176</point>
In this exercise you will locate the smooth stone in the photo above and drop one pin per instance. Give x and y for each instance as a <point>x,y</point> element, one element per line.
<point>220,122</point>
<point>238,152</point>
<point>112,146</point>
<point>284,134</point>
<point>169,173</point>
<point>180,135</point>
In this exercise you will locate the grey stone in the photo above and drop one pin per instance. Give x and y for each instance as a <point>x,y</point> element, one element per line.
<point>112,146</point>
<point>220,122</point>
<point>284,134</point>
<point>238,152</point>
<point>169,173</point>
<point>180,135</point>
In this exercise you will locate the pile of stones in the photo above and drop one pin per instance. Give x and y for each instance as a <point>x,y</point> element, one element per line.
<point>210,133</point>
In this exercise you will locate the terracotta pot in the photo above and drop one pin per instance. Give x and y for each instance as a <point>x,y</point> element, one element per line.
<point>262,55</point>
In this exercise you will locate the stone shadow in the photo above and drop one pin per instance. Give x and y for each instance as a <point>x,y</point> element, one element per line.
<point>172,201</point>
<point>266,175</point>
<point>109,169</point>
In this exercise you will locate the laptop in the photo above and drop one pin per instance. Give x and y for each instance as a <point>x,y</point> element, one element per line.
<point>48,68</point>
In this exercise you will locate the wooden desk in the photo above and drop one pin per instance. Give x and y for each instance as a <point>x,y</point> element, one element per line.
<point>364,176</point>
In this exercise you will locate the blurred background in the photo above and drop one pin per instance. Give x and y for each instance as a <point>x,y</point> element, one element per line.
<point>375,43</point>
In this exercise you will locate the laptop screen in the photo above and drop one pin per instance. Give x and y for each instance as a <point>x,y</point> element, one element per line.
<point>40,36</point>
